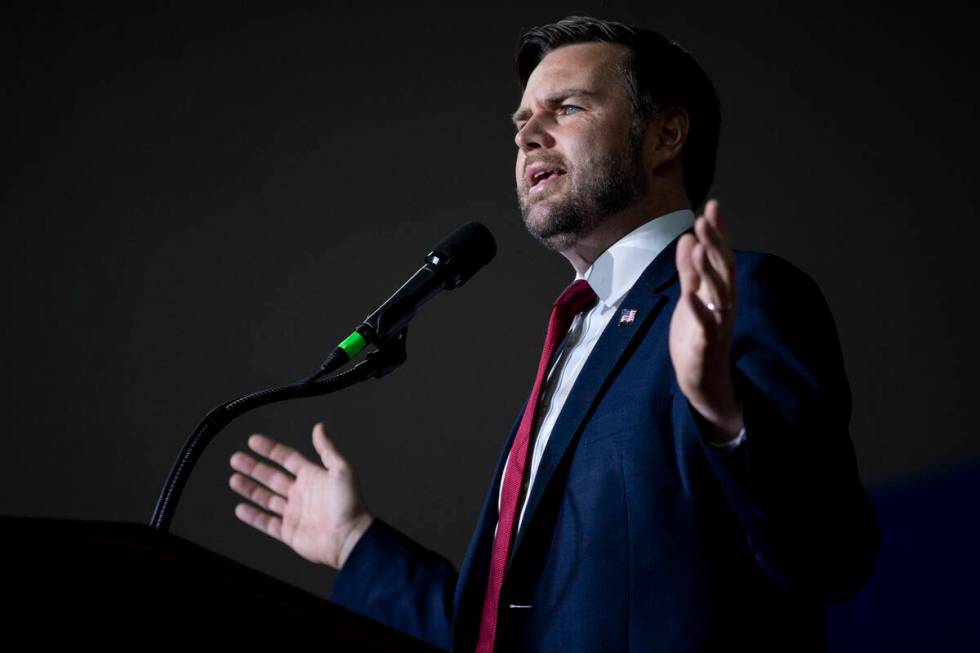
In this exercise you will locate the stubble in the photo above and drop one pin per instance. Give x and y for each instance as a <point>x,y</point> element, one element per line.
<point>597,188</point>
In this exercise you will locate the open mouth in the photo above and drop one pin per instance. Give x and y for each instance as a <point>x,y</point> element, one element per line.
<point>542,178</point>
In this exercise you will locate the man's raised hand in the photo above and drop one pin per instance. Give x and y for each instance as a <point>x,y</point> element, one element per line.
<point>702,325</point>
<point>315,510</point>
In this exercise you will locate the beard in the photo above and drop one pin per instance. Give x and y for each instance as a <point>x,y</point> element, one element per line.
<point>600,186</point>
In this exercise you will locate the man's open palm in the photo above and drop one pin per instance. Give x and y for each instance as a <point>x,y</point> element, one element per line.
<point>316,510</point>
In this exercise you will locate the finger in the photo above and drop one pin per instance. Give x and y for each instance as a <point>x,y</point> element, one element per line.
<point>720,254</point>
<point>713,288</point>
<point>257,494</point>
<point>685,267</point>
<point>713,214</point>
<point>324,446</point>
<point>268,475</point>
<point>712,210</point>
<point>702,315</point>
<point>268,524</point>
<point>278,452</point>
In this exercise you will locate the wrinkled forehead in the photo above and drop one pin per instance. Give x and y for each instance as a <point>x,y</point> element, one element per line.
<point>592,66</point>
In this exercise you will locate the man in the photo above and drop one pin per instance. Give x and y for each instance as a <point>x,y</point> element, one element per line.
<point>682,478</point>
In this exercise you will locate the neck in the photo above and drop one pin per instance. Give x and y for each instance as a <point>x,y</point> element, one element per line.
<point>583,253</point>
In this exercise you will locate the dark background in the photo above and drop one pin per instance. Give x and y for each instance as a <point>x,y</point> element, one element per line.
<point>200,203</point>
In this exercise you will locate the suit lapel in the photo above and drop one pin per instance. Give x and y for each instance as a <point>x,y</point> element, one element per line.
<point>591,381</point>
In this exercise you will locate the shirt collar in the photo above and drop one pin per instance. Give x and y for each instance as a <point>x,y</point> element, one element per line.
<point>617,269</point>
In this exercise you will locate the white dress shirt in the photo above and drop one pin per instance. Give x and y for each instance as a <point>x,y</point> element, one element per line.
<point>611,276</point>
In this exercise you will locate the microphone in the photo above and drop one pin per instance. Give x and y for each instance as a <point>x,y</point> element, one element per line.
<point>447,266</point>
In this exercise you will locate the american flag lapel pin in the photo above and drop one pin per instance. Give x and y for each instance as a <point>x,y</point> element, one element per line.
<point>627,316</point>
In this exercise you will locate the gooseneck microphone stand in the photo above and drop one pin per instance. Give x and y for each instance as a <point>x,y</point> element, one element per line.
<point>388,356</point>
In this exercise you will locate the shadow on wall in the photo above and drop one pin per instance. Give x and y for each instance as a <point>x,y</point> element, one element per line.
<point>924,594</point>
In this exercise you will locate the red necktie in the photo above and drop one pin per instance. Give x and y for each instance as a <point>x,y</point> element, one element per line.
<point>574,300</point>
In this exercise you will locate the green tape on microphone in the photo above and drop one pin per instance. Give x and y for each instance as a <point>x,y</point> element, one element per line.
<point>353,344</point>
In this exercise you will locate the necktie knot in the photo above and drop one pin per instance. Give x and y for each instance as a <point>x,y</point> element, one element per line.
<point>576,298</point>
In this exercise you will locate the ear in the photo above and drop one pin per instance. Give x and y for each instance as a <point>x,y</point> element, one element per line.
<point>669,133</point>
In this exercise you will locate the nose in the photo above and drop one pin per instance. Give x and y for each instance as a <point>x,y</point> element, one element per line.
<point>533,135</point>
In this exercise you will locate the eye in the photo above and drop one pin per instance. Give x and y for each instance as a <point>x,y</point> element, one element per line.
<point>567,109</point>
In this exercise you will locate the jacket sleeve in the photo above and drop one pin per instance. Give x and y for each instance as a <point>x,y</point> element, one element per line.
<point>793,482</point>
<point>392,579</point>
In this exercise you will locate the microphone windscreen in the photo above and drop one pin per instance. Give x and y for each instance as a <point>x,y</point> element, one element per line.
<point>466,250</point>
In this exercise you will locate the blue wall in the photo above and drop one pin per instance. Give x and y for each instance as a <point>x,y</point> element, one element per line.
<point>924,594</point>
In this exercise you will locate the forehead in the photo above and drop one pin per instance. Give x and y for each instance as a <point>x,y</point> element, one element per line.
<point>580,65</point>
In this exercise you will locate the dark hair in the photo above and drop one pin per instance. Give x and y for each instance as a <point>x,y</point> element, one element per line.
<point>658,75</point>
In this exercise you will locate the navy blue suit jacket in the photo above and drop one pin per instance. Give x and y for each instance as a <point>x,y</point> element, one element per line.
<point>640,536</point>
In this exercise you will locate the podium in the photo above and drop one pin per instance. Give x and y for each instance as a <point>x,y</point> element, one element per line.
<point>123,584</point>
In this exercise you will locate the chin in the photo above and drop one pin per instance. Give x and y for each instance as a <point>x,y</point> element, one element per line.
<point>541,224</point>
<point>538,219</point>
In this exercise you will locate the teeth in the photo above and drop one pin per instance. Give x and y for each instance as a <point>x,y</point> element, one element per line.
<point>538,176</point>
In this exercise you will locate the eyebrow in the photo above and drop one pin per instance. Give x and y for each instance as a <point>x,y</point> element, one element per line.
<point>551,100</point>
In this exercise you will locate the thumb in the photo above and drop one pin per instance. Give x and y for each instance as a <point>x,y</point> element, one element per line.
<point>329,454</point>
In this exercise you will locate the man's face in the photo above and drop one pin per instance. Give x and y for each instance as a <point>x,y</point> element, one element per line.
<point>578,159</point>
